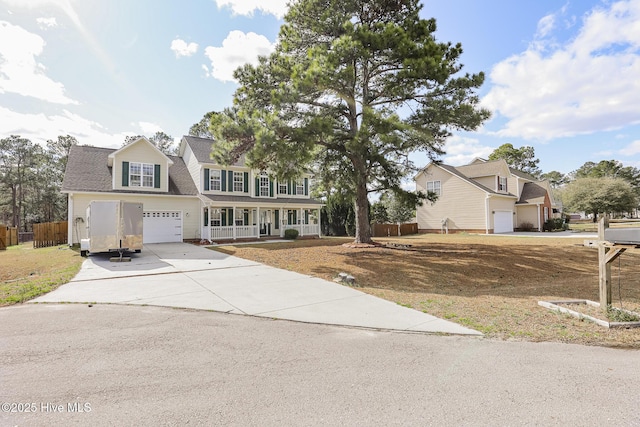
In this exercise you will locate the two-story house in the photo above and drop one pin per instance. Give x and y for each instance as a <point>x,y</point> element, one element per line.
<point>189,196</point>
<point>482,197</point>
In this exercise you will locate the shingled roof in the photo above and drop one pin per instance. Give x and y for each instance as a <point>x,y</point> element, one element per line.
<point>88,170</point>
<point>201,148</point>
<point>532,193</point>
<point>276,202</point>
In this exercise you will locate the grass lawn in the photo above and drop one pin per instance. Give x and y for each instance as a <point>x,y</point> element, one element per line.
<point>488,283</point>
<point>26,273</point>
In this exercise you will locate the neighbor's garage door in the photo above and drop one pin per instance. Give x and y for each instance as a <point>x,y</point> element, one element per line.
<point>162,226</point>
<point>503,222</point>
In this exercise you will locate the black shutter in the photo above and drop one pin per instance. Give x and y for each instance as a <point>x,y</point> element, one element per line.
<point>206,180</point>
<point>270,188</point>
<point>306,186</point>
<point>125,174</point>
<point>223,180</point>
<point>277,214</point>
<point>156,176</point>
<point>246,182</point>
<point>230,181</point>
<point>257,190</point>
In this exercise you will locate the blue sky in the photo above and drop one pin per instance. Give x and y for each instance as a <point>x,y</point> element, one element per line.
<point>562,76</point>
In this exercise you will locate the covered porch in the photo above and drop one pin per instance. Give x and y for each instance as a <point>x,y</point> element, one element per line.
<point>235,221</point>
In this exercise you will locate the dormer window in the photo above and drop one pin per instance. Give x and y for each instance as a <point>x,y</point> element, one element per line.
<point>502,184</point>
<point>141,175</point>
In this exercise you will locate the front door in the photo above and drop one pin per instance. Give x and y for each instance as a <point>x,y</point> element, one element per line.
<point>265,223</point>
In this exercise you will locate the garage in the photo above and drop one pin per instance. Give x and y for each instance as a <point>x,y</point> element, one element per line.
<point>502,222</point>
<point>162,226</point>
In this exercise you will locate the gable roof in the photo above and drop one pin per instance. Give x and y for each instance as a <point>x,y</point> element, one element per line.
<point>535,192</point>
<point>141,140</point>
<point>88,170</point>
<point>201,148</point>
<point>532,193</point>
<point>454,171</point>
<point>478,168</point>
<point>521,174</point>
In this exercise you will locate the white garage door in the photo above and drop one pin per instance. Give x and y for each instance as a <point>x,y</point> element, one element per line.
<point>503,222</point>
<point>162,226</point>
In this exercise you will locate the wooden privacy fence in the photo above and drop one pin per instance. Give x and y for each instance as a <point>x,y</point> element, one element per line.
<point>49,234</point>
<point>8,237</point>
<point>384,230</point>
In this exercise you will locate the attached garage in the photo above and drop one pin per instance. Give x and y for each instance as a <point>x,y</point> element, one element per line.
<point>162,226</point>
<point>502,222</point>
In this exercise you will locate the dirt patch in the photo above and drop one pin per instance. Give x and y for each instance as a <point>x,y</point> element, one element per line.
<point>489,283</point>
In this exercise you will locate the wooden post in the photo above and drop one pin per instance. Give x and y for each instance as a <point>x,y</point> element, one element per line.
<point>604,268</point>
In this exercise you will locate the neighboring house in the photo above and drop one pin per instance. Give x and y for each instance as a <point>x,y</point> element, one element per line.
<point>189,196</point>
<point>482,197</point>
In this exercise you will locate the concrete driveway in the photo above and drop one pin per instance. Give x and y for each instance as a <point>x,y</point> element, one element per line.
<point>188,276</point>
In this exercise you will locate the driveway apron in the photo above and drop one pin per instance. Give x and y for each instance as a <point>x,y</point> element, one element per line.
<point>188,276</point>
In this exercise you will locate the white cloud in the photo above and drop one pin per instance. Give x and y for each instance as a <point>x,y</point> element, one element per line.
<point>148,128</point>
<point>40,127</point>
<point>545,25</point>
<point>46,23</point>
<point>182,48</point>
<point>461,150</point>
<point>207,73</point>
<point>19,71</point>
<point>587,85</point>
<point>631,149</point>
<point>278,8</point>
<point>237,49</point>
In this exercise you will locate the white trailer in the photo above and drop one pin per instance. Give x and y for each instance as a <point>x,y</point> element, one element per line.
<point>113,226</point>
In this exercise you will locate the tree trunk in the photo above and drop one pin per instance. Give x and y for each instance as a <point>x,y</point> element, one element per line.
<point>363,227</point>
<point>15,215</point>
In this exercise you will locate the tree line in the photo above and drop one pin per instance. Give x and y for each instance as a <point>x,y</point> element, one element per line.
<point>606,187</point>
<point>31,177</point>
<point>30,180</point>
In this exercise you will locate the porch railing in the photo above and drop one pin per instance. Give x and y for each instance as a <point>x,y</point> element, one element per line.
<point>247,231</point>
<point>309,229</point>
<point>292,227</point>
<point>242,231</point>
<point>305,229</point>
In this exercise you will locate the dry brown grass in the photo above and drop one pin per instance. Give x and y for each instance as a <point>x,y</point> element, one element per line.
<point>489,283</point>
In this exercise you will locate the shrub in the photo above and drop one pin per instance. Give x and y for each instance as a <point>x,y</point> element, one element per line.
<point>553,224</point>
<point>526,226</point>
<point>291,234</point>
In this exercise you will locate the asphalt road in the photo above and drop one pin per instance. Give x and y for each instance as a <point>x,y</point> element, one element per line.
<point>133,365</point>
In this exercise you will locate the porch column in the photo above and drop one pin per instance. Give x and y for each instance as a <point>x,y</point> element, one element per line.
<point>301,223</point>
<point>209,222</point>
<point>258,221</point>
<point>233,219</point>
<point>539,221</point>
<point>70,221</point>
<point>319,223</point>
<point>281,225</point>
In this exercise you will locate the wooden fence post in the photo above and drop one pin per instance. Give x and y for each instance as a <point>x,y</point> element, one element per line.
<point>604,268</point>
